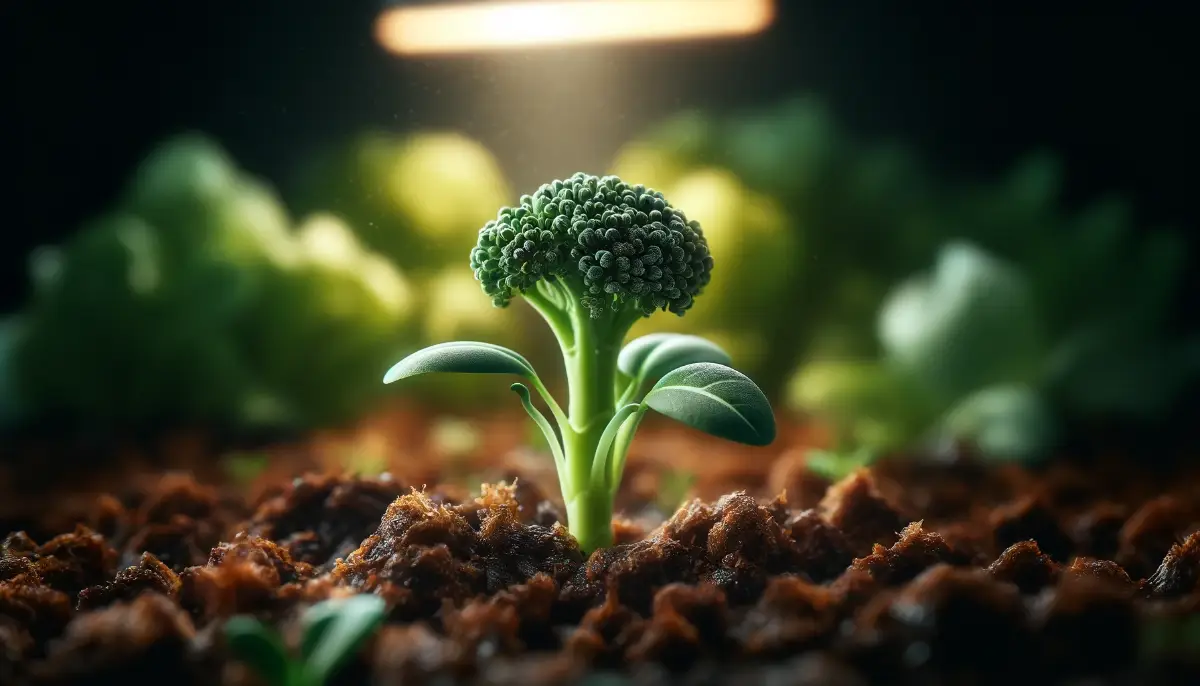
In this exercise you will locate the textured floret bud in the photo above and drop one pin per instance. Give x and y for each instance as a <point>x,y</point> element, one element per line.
<point>614,244</point>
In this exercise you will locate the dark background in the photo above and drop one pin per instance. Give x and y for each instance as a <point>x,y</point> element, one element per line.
<point>89,87</point>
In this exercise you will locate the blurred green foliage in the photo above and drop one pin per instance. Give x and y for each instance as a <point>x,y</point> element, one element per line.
<point>419,199</point>
<point>1032,313</point>
<point>195,300</point>
<point>896,304</point>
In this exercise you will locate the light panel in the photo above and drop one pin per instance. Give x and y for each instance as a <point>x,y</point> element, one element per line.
<point>492,26</point>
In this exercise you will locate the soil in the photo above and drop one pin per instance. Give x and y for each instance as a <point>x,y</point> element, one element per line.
<point>910,572</point>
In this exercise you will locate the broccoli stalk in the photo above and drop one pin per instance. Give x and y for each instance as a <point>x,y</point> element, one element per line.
<point>593,256</point>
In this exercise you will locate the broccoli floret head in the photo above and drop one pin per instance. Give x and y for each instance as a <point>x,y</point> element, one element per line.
<point>613,246</point>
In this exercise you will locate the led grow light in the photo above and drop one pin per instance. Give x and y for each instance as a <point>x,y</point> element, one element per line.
<point>491,26</point>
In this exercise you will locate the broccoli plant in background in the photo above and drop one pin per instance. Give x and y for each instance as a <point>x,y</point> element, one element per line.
<point>333,631</point>
<point>593,256</point>
<point>969,354</point>
<point>197,300</point>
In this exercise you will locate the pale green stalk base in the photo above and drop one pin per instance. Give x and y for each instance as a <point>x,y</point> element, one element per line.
<point>590,348</point>
<point>590,516</point>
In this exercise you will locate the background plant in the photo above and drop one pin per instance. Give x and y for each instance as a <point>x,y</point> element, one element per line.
<point>196,301</point>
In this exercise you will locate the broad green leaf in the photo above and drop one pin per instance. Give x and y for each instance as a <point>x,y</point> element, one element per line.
<point>461,357</point>
<point>634,354</point>
<point>651,356</point>
<point>717,400</point>
<point>355,619</point>
<point>259,647</point>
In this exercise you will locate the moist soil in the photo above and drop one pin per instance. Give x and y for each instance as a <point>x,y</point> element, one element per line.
<point>909,572</point>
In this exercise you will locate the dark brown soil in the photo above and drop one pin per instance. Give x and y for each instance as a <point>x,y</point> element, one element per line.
<point>906,574</point>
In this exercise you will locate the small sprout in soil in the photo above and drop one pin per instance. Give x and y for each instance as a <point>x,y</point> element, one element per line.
<point>835,465</point>
<point>333,631</point>
<point>593,256</point>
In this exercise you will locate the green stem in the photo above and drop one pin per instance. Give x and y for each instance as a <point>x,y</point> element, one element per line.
<point>590,348</point>
<point>589,514</point>
<point>591,365</point>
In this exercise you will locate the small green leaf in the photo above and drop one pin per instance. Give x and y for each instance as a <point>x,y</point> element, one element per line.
<point>259,647</point>
<point>317,620</point>
<point>652,356</point>
<point>835,466</point>
<point>461,357</point>
<point>717,400</point>
<point>354,620</point>
<point>600,461</point>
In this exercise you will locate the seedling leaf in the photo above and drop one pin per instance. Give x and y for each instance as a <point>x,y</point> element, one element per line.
<point>259,647</point>
<point>461,357</point>
<point>654,355</point>
<point>600,462</point>
<point>317,620</point>
<point>715,399</point>
<point>542,423</point>
<point>354,619</point>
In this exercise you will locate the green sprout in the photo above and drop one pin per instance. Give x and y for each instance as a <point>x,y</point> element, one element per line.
<point>835,465</point>
<point>593,256</point>
<point>333,631</point>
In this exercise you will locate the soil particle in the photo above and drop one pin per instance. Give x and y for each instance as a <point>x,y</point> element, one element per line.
<point>246,575</point>
<point>68,563</point>
<point>1179,573</point>
<point>688,624</point>
<point>627,531</point>
<point>1031,519</point>
<point>410,653</point>
<point>122,644</point>
<point>1101,570</point>
<point>604,633</point>
<point>804,488</point>
<point>915,551</point>
<point>642,568</point>
<point>935,623</point>
<point>792,615</point>
<point>855,506</point>
<point>181,543</point>
<point>420,555</point>
<point>1151,531</point>
<point>513,552</point>
<point>1096,532</point>
<point>1086,626</point>
<point>320,517</point>
<point>819,550</point>
<point>150,574</point>
<point>1025,566</point>
<point>30,609</point>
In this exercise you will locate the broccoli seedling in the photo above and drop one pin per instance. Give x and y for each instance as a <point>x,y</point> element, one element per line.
<point>592,256</point>
<point>333,631</point>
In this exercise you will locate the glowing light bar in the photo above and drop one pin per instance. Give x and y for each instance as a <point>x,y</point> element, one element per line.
<point>481,27</point>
